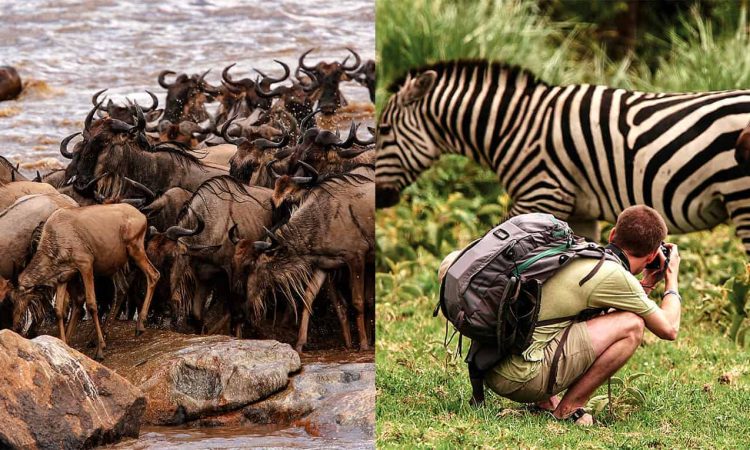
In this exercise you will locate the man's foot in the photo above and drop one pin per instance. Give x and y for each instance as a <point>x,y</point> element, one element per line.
<point>578,416</point>
<point>548,405</point>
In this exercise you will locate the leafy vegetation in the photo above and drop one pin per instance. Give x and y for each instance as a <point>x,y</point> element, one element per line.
<point>690,393</point>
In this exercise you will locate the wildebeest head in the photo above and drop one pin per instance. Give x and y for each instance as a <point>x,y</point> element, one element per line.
<point>319,155</point>
<point>127,113</point>
<point>186,96</point>
<point>325,78</point>
<point>244,90</point>
<point>292,98</point>
<point>251,155</point>
<point>98,136</point>
<point>185,132</point>
<point>365,76</point>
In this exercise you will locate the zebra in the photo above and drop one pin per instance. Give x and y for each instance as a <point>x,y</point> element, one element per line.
<point>581,152</point>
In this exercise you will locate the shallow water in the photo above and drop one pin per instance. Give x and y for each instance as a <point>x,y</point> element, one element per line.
<point>66,51</point>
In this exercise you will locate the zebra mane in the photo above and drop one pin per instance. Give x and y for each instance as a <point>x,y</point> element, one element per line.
<point>442,67</point>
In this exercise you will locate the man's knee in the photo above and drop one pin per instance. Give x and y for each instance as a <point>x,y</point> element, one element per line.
<point>634,326</point>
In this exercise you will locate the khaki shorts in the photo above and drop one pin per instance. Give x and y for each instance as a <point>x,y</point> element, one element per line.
<point>576,358</point>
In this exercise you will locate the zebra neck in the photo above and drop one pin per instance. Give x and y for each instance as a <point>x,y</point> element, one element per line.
<point>487,117</point>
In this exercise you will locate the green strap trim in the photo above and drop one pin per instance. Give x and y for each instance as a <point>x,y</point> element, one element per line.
<point>549,252</point>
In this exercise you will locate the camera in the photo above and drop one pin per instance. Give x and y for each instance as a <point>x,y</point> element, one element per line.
<point>654,264</point>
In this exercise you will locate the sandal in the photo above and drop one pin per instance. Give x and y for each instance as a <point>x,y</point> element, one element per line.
<point>574,417</point>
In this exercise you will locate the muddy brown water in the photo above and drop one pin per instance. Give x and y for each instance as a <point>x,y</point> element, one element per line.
<point>65,51</point>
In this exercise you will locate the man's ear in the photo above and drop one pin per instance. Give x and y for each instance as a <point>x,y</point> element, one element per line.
<point>611,234</point>
<point>416,88</point>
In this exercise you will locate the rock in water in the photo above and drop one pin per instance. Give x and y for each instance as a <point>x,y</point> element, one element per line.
<point>10,83</point>
<point>52,396</point>
<point>327,399</point>
<point>190,377</point>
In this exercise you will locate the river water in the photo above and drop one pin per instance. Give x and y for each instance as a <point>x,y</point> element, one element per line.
<point>67,50</point>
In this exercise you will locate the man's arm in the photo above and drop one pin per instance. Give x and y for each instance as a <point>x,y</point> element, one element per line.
<point>665,321</point>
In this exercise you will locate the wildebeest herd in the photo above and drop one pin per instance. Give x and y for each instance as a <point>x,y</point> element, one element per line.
<point>163,214</point>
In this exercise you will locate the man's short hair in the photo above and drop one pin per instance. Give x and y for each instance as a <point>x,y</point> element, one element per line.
<point>639,230</point>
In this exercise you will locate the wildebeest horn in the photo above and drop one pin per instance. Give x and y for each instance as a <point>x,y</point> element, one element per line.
<point>327,138</point>
<point>135,202</point>
<point>92,182</point>
<point>276,80</point>
<point>174,232</point>
<point>302,61</point>
<point>119,125</point>
<point>271,170</point>
<point>270,235</point>
<point>64,145</point>
<point>154,102</point>
<point>357,61</point>
<point>149,193</point>
<point>203,75</point>
<point>233,237</point>
<point>163,83</point>
<point>308,118</point>
<point>152,231</point>
<point>351,152</point>
<point>262,246</point>
<point>263,144</point>
<point>277,92</point>
<point>310,179</point>
<point>95,98</point>
<point>90,116</point>
<point>231,140</point>
<point>140,123</point>
<point>38,177</point>
<point>281,154</point>
<point>314,83</point>
<point>229,82</point>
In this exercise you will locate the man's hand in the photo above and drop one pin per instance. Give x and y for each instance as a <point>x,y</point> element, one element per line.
<point>674,266</point>
<point>653,276</point>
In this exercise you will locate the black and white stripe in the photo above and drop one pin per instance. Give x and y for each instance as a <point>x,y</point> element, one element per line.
<point>581,152</point>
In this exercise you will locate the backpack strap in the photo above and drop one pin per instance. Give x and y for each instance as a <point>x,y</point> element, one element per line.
<point>593,272</point>
<point>556,361</point>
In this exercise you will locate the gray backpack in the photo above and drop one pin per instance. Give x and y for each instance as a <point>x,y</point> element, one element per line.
<point>492,292</point>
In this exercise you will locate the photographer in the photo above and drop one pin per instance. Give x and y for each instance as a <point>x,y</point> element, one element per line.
<point>581,355</point>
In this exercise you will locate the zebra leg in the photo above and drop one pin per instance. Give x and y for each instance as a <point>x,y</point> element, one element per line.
<point>587,228</point>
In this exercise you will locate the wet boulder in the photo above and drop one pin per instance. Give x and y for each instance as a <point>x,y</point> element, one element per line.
<point>187,377</point>
<point>326,399</point>
<point>10,83</point>
<point>52,396</point>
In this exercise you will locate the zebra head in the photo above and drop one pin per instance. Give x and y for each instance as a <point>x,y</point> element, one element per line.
<point>404,148</point>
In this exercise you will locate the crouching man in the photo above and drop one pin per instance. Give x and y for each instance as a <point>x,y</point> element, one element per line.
<point>581,355</point>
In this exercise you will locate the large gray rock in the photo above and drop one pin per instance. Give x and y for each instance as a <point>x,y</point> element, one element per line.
<point>52,396</point>
<point>187,377</point>
<point>327,399</point>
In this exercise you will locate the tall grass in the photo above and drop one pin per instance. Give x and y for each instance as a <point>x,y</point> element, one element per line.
<point>422,389</point>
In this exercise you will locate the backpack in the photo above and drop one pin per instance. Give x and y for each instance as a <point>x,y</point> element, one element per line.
<point>492,292</point>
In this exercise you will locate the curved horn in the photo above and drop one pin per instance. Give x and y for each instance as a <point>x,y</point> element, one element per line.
<point>64,145</point>
<point>92,182</point>
<point>95,98</point>
<point>303,125</point>
<point>233,237</point>
<point>308,168</point>
<point>140,123</point>
<point>228,81</point>
<point>263,144</point>
<point>154,102</point>
<point>203,75</point>
<point>38,177</point>
<point>175,232</point>
<point>277,92</point>
<point>352,152</point>
<point>313,84</point>
<point>301,61</point>
<point>163,83</point>
<point>231,140</point>
<point>357,61</point>
<point>276,80</point>
<point>149,193</point>
<point>270,235</point>
<point>262,246</point>
<point>271,170</point>
<point>119,125</point>
<point>327,138</point>
<point>90,116</point>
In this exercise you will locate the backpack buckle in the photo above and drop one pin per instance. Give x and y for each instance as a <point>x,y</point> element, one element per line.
<point>501,234</point>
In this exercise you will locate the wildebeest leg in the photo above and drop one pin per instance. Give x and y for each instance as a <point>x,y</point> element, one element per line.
<point>60,295</point>
<point>138,254</point>
<point>357,279</point>
<point>220,324</point>
<point>75,316</point>
<point>316,281</point>
<point>88,284</point>
<point>339,304</point>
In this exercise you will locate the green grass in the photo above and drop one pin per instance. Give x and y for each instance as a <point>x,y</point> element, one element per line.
<point>422,387</point>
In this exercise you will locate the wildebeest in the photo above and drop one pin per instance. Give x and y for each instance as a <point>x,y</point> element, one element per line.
<point>203,256</point>
<point>325,79</point>
<point>365,76</point>
<point>249,161</point>
<point>10,83</point>
<point>164,210</point>
<point>9,172</point>
<point>332,229</point>
<point>187,96</point>
<point>123,113</point>
<point>89,240</point>
<point>10,192</point>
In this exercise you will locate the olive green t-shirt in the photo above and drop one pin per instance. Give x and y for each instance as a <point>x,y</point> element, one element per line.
<point>611,287</point>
